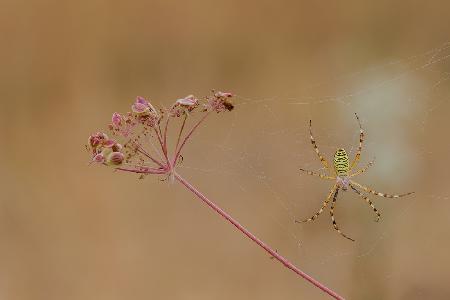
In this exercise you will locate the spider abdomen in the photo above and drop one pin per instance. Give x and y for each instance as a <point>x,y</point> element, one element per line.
<point>341,164</point>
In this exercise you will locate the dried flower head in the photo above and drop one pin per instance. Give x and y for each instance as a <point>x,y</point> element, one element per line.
<point>144,127</point>
<point>219,102</point>
<point>141,128</point>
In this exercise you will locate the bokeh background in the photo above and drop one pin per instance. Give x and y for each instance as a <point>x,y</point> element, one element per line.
<point>73,231</point>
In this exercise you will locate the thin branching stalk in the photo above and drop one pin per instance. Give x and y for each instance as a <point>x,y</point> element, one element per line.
<point>181,131</point>
<point>178,151</point>
<point>161,143</point>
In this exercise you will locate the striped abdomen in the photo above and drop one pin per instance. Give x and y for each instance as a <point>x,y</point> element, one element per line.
<point>341,164</point>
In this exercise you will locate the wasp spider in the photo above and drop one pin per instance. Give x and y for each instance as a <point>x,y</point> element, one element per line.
<point>342,176</point>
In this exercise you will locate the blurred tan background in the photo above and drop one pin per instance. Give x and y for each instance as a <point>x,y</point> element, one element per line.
<point>70,231</point>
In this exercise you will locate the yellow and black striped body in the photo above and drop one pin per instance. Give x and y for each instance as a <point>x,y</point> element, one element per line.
<point>341,164</point>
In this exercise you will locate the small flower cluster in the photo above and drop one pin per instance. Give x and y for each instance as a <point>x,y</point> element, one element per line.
<point>142,112</point>
<point>183,106</point>
<point>105,150</point>
<point>220,102</point>
<point>145,124</point>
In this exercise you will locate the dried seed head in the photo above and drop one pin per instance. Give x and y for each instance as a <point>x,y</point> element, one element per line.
<point>220,102</point>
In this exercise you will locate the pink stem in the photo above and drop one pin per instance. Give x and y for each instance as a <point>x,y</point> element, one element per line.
<point>162,145</point>
<point>180,132</point>
<point>260,243</point>
<point>144,171</point>
<point>178,151</point>
<point>141,150</point>
<point>165,135</point>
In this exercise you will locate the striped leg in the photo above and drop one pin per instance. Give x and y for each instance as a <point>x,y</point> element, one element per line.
<point>325,203</point>
<point>368,201</point>
<point>369,190</point>
<point>318,175</point>
<point>361,140</point>
<point>313,142</point>
<point>363,169</point>
<point>332,216</point>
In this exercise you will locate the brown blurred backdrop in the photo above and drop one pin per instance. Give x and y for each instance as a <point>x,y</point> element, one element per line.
<point>69,231</point>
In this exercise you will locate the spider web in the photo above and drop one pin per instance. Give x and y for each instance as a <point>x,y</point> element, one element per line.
<point>402,107</point>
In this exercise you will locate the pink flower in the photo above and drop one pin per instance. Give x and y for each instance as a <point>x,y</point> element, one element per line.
<point>188,101</point>
<point>183,105</point>
<point>142,106</point>
<point>116,119</point>
<point>142,100</point>
<point>97,139</point>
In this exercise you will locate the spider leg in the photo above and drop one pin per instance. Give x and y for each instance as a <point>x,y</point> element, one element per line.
<point>361,140</point>
<point>368,201</point>
<point>313,142</point>
<point>332,216</point>
<point>318,175</point>
<point>360,171</point>
<point>369,190</point>
<point>325,203</point>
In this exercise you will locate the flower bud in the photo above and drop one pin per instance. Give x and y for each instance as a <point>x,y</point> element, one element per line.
<point>109,143</point>
<point>116,119</point>
<point>115,158</point>
<point>142,100</point>
<point>141,106</point>
<point>98,158</point>
<point>117,147</point>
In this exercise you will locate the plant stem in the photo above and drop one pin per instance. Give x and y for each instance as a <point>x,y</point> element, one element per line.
<point>161,144</point>
<point>141,150</point>
<point>181,131</point>
<point>178,151</point>
<point>143,171</point>
<point>165,135</point>
<point>251,236</point>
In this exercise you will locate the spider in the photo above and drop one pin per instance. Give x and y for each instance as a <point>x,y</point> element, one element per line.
<point>343,179</point>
